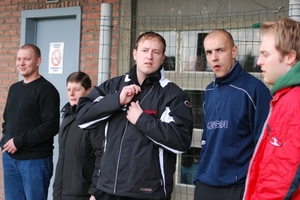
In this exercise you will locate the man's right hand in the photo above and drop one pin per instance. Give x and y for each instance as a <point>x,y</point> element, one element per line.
<point>10,146</point>
<point>128,93</point>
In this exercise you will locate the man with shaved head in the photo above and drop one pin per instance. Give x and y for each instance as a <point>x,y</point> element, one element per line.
<point>236,105</point>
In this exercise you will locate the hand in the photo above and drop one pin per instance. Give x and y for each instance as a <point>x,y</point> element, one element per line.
<point>128,93</point>
<point>10,146</point>
<point>92,198</point>
<point>134,111</point>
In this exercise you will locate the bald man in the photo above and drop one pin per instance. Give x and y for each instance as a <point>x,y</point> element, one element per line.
<point>236,105</point>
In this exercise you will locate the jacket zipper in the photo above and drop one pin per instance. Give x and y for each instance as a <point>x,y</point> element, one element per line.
<point>118,162</point>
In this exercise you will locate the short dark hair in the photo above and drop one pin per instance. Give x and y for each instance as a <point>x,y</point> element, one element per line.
<point>80,77</point>
<point>151,35</point>
<point>36,50</point>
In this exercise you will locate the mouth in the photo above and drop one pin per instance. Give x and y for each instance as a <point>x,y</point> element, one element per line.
<point>148,63</point>
<point>217,67</point>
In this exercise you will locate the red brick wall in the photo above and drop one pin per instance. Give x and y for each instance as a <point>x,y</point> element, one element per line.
<point>10,27</point>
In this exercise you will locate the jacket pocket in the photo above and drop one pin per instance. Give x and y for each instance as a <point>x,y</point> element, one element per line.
<point>145,175</point>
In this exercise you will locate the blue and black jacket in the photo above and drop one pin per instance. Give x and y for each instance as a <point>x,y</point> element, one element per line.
<point>235,109</point>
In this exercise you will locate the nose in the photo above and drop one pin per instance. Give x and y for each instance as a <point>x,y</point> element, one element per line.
<point>149,55</point>
<point>259,61</point>
<point>214,56</point>
<point>72,92</point>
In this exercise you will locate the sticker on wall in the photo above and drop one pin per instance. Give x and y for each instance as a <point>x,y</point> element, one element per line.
<point>56,55</point>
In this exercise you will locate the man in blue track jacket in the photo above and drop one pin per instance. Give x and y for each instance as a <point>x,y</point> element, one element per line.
<point>236,106</point>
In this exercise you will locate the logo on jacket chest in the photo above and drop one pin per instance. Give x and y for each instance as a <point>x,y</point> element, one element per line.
<point>217,124</point>
<point>150,112</point>
<point>274,141</point>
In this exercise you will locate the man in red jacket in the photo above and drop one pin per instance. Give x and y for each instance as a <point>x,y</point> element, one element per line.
<point>274,171</point>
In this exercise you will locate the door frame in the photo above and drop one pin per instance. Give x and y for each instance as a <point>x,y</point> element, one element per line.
<point>30,18</point>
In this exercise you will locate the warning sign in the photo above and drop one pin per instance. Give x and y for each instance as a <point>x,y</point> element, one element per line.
<point>56,58</point>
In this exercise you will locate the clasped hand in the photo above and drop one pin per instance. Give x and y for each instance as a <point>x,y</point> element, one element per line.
<point>126,95</point>
<point>134,111</point>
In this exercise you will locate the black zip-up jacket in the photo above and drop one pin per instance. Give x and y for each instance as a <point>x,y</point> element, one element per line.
<point>80,152</point>
<point>139,160</point>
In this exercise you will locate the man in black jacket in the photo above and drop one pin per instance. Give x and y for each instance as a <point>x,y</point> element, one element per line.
<point>148,119</point>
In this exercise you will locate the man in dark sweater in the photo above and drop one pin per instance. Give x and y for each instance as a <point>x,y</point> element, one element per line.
<point>31,120</point>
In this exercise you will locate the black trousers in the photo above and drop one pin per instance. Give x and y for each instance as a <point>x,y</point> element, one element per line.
<point>206,192</point>
<point>100,195</point>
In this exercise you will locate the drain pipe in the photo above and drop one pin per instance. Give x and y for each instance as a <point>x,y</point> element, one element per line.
<point>105,43</point>
<point>294,10</point>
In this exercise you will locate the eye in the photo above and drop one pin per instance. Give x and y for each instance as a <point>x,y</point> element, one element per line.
<point>264,54</point>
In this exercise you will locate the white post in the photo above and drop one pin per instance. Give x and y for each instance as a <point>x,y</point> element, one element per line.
<point>105,43</point>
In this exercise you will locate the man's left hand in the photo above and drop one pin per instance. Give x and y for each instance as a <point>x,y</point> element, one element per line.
<point>134,111</point>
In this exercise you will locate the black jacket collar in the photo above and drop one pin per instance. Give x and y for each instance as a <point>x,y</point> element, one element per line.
<point>68,109</point>
<point>155,77</point>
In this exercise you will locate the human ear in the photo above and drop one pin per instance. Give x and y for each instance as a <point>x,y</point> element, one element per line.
<point>234,51</point>
<point>134,54</point>
<point>291,57</point>
<point>88,90</point>
<point>39,60</point>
